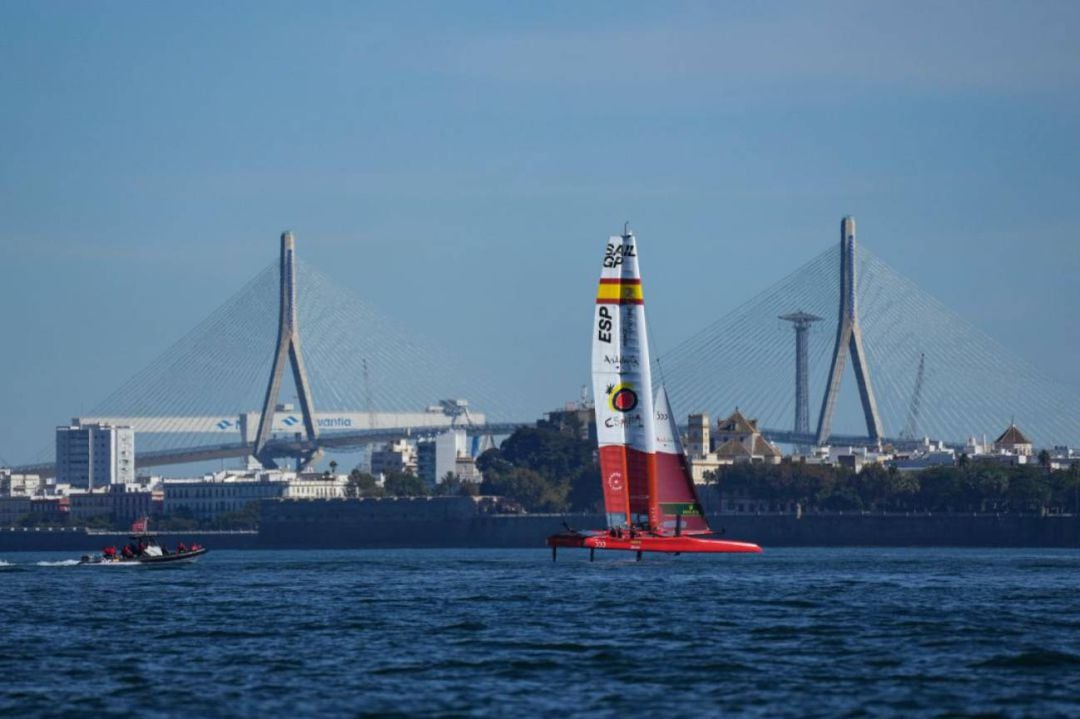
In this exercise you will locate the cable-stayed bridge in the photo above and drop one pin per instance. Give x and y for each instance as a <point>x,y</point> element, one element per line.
<point>326,369</point>
<point>354,377</point>
<point>920,369</point>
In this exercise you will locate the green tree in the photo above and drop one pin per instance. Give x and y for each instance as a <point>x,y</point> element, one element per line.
<point>940,489</point>
<point>586,493</point>
<point>247,517</point>
<point>566,464</point>
<point>985,485</point>
<point>452,485</point>
<point>1044,461</point>
<point>180,520</point>
<point>362,484</point>
<point>1028,490</point>
<point>101,521</point>
<point>551,453</point>
<point>400,484</point>
<point>535,492</point>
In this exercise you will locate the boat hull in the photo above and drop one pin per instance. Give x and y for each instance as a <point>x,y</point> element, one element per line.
<point>651,543</point>
<point>173,559</point>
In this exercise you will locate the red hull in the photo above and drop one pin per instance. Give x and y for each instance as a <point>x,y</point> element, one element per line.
<point>650,543</point>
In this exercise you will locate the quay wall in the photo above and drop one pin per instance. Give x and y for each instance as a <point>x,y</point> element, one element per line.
<point>78,539</point>
<point>456,522</point>
<point>461,522</point>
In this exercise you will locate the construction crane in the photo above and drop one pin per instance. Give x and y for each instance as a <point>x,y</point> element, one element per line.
<point>916,401</point>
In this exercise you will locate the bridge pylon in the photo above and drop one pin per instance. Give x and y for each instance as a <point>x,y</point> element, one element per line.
<point>288,350</point>
<point>849,340</point>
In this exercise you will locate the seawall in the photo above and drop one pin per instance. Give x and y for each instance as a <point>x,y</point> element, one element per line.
<point>80,540</point>
<point>347,524</point>
<point>457,522</point>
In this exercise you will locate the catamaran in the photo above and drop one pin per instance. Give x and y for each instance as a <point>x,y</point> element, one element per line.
<point>649,496</point>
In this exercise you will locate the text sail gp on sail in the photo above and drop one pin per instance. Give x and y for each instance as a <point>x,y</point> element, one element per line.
<point>649,497</point>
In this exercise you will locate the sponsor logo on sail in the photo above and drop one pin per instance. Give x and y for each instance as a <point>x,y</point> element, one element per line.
<point>625,420</point>
<point>622,361</point>
<point>622,397</point>
<point>614,254</point>
<point>614,481</point>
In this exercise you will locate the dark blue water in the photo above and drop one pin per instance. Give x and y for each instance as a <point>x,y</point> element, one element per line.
<point>794,632</point>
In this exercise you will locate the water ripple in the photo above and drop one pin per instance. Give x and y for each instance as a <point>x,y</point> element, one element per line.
<point>799,632</point>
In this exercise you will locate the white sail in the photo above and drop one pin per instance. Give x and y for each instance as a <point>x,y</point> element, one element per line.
<point>622,386</point>
<point>667,432</point>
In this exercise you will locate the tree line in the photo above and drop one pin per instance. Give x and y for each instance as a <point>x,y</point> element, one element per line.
<point>546,469</point>
<point>982,486</point>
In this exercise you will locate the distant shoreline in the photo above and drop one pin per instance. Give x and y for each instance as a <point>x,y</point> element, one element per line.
<point>315,530</point>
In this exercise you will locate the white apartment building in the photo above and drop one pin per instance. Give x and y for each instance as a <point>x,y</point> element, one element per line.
<point>18,485</point>
<point>95,455</point>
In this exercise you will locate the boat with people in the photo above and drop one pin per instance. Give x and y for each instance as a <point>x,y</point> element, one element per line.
<point>650,500</point>
<point>143,547</point>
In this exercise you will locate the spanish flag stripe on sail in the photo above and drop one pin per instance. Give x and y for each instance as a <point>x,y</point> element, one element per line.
<point>619,292</point>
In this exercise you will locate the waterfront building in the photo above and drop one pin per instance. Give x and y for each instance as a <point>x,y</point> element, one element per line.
<point>1013,442</point>
<point>927,453</point>
<point>855,458</point>
<point>425,462</point>
<point>466,471</point>
<point>449,453</point>
<point>918,461</point>
<point>975,446</point>
<point>1063,457</point>
<point>399,456</point>
<point>220,493</point>
<point>95,455</point>
<point>577,418</point>
<point>316,486</point>
<point>450,448</point>
<point>699,441</point>
<point>52,508</point>
<point>736,439</point>
<point>699,455</point>
<point>739,438</point>
<point>13,508</point>
<point>117,502</point>
<point>224,492</point>
<point>18,485</point>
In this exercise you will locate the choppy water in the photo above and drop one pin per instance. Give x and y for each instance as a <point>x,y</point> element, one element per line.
<point>793,632</point>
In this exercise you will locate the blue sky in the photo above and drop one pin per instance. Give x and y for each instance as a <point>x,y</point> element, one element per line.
<point>460,164</point>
